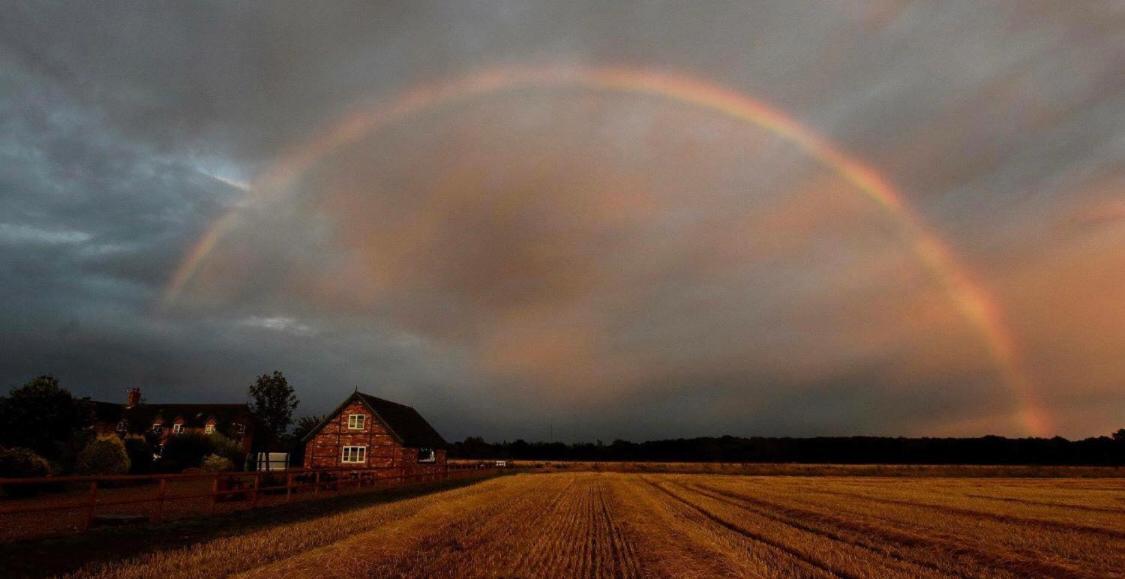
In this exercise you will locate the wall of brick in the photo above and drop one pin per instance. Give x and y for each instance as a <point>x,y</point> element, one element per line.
<point>325,449</point>
<point>411,466</point>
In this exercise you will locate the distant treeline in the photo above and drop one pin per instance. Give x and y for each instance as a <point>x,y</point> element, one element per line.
<point>1102,450</point>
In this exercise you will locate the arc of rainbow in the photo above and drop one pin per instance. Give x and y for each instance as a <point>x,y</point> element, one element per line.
<point>971,299</point>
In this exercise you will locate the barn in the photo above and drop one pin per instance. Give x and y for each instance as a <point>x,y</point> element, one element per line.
<point>372,433</point>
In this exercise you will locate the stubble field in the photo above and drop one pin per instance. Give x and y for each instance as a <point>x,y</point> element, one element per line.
<point>635,524</point>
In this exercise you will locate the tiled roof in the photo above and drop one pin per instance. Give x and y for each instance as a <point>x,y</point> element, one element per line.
<point>142,416</point>
<point>405,421</point>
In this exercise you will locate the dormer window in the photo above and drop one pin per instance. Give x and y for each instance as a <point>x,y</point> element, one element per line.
<point>209,428</point>
<point>356,421</point>
<point>178,428</point>
<point>426,455</point>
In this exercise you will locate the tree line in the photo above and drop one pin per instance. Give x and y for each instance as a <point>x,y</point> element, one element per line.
<point>985,450</point>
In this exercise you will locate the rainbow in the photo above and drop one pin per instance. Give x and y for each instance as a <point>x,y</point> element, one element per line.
<point>971,299</point>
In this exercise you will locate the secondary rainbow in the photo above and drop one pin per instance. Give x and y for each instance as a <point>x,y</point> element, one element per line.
<point>972,300</point>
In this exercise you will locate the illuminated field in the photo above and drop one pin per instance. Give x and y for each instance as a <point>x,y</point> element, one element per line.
<point>635,524</point>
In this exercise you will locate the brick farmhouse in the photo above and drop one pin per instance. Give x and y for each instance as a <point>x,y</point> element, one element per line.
<point>158,423</point>
<point>371,433</point>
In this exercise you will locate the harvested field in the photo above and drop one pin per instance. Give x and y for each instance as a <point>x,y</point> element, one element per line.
<point>629,524</point>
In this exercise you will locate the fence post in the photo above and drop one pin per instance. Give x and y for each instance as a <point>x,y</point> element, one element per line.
<point>254,495</point>
<point>89,519</point>
<point>288,487</point>
<point>160,500</point>
<point>214,492</point>
<point>316,483</point>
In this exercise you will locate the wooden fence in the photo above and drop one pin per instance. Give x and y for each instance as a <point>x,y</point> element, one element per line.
<point>84,501</point>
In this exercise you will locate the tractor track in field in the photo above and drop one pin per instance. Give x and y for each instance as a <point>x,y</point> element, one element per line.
<point>858,531</point>
<point>756,537</point>
<point>978,514</point>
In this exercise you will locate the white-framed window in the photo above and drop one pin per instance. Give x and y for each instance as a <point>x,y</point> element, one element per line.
<point>209,429</point>
<point>356,421</point>
<point>239,428</point>
<point>123,426</point>
<point>354,455</point>
<point>158,427</point>
<point>427,455</point>
<point>177,428</point>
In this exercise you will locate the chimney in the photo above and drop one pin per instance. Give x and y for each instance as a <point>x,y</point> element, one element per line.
<point>133,398</point>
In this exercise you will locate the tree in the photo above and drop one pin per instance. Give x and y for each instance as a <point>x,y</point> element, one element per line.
<point>305,425</point>
<point>104,455</point>
<point>42,416</point>
<point>272,400</point>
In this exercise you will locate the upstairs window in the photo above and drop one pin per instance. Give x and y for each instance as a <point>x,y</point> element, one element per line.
<point>158,427</point>
<point>177,428</point>
<point>426,455</point>
<point>123,426</point>
<point>239,428</point>
<point>356,421</point>
<point>354,455</point>
<point>209,429</point>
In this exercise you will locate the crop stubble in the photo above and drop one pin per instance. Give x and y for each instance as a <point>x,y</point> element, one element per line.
<point>578,524</point>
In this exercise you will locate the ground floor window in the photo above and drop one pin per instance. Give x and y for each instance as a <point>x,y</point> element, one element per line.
<point>426,455</point>
<point>354,454</point>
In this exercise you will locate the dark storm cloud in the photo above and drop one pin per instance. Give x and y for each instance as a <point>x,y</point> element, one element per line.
<point>617,267</point>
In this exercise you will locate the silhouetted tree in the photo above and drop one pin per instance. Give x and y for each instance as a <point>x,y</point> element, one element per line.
<point>272,400</point>
<point>1100,450</point>
<point>42,416</point>
<point>305,425</point>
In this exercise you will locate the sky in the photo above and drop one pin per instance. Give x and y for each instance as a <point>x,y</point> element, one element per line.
<point>576,220</point>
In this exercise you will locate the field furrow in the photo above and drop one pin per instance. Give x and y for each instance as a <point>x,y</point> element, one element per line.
<point>597,524</point>
<point>1008,545</point>
<point>937,555</point>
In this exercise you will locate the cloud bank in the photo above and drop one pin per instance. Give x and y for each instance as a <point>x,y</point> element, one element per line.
<point>570,261</point>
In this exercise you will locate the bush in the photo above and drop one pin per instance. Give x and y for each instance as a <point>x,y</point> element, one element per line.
<point>140,454</point>
<point>22,463</point>
<point>104,455</point>
<point>227,448</point>
<point>216,463</point>
<point>183,451</point>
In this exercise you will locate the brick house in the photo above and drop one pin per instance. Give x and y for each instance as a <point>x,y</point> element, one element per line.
<point>158,422</point>
<point>372,433</point>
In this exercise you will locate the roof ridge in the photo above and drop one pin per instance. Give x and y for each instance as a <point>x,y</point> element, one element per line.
<point>385,401</point>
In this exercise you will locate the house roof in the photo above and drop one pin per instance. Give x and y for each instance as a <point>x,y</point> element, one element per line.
<point>404,422</point>
<point>194,415</point>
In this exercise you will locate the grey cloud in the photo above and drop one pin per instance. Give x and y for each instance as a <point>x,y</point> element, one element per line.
<point>615,266</point>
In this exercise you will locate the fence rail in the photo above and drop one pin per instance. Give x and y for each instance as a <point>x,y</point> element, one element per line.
<point>148,498</point>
